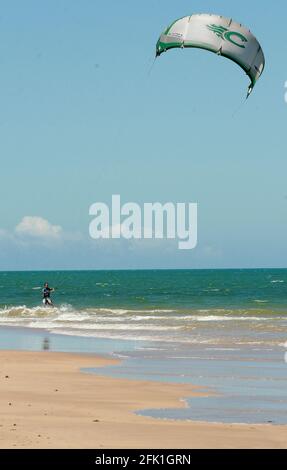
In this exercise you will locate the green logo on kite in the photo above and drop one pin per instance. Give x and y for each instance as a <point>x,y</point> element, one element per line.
<point>228,35</point>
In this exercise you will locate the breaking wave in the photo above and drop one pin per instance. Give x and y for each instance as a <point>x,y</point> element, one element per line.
<point>207,326</point>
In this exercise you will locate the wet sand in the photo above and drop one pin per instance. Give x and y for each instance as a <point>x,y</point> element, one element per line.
<point>46,402</point>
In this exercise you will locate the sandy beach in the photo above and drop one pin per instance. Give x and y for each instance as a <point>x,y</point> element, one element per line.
<point>46,402</point>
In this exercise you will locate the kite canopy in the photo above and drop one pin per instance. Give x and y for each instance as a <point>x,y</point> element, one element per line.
<point>219,35</point>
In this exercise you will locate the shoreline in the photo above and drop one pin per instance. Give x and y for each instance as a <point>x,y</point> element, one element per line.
<point>47,402</point>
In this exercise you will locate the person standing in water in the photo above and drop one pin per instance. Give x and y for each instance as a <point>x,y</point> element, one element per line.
<point>46,294</point>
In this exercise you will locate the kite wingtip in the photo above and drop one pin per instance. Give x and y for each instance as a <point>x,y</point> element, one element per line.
<point>249,91</point>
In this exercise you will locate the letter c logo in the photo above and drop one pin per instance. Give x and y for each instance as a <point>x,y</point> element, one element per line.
<point>231,34</point>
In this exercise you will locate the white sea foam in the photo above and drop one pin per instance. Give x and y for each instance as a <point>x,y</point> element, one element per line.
<point>149,349</point>
<point>67,313</point>
<point>149,325</point>
<point>212,318</point>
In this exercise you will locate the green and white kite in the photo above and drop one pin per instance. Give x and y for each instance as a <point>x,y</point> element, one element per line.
<point>219,35</point>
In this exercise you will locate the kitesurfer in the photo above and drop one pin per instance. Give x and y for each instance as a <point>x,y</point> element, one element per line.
<point>46,294</point>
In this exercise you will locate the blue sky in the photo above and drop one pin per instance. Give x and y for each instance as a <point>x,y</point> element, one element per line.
<point>82,119</point>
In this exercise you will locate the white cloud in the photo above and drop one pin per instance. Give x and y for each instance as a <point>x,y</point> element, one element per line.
<point>38,227</point>
<point>120,231</point>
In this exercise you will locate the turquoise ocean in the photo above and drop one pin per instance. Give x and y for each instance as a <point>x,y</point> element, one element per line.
<point>224,330</point>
